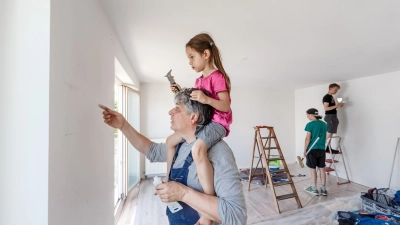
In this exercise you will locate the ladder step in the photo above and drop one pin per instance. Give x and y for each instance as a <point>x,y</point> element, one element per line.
<point>258,127</point>
<point>273,159</point>
<point>272,171</point>
<point>334,152</point>
<point>268,137</point>
<point>259,175</point>
<point>282,197</point>
<point>282,183</point>
<point>268,148</point>
<point>330,161</point>
<point>328,169</point>
<point>278,171</point>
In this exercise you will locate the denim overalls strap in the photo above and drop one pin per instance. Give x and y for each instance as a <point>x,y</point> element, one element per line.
<point>187,215</point>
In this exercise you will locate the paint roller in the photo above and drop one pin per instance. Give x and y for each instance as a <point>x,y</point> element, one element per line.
<point>299,159</point>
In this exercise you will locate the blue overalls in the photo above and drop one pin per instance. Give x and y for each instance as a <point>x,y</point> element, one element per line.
<point>187,215</point>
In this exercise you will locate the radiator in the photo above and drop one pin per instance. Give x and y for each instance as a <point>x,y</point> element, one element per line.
<point>157,168</point>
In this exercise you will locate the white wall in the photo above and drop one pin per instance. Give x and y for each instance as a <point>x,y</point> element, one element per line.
<point>81,175</point>
<point>24,114</point>
<point>56,154</point>
<point>124,61</point>
<point>369,125</point>
<point>250,107</point>
<point>156,101</point>
<point>255,106</point>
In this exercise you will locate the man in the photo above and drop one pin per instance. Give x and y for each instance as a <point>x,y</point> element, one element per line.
<point>316,132</point>
<point>229,206</point>
<point>330,110</point>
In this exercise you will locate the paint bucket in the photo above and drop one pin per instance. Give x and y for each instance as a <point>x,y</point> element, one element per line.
<point>274,164</point>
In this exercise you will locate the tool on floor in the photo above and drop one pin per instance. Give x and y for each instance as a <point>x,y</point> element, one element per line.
<point>394,160</point>
<point>335,156</point>
<point>265,157</point>
<point>172,81</point>
<point>300,175</point>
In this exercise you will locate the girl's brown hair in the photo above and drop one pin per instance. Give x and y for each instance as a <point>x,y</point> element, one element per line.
<point>203,41</point>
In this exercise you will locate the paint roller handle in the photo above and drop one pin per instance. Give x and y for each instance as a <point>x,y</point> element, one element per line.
<point>309,149</point>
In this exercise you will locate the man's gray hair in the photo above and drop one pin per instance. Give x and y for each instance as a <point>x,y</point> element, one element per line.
<point>204,111</point>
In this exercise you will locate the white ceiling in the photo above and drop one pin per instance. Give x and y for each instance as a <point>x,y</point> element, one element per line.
<point>276,44</point>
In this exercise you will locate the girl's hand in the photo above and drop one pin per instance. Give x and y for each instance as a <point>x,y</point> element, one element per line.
<point>199,96</point>
<point>173,87</point>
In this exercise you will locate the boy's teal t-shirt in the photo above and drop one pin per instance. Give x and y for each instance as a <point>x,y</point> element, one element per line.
<point>316,128</point>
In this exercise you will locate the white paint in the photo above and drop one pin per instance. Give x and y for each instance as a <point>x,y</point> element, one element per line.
<point>369,125</point>
<point>24,114</point>
<point>276,44</point>
<point>81,173</point>
<point>251,107</point>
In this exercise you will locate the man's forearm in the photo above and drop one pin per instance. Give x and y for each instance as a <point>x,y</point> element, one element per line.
<point>140,142</point>
<point>206,205</point>
<point>328,108</point>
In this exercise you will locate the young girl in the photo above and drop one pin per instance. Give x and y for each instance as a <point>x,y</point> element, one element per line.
<point>204,57</point>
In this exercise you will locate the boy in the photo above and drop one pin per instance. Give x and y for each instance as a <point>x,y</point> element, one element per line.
<point>316,157</point>
<point>330,109</point>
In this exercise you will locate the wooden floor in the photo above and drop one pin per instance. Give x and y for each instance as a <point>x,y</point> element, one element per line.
<point>142,207</point>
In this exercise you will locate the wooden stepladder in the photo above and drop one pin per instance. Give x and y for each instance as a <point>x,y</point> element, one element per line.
<point>264,147</point>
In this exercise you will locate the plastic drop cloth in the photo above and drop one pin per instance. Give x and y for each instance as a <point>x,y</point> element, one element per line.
<point>318,214</point>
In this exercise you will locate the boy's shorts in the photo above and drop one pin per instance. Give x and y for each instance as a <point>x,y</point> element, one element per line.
<point>333,122</point>
<point>316,158</point>
<point>210,133</point>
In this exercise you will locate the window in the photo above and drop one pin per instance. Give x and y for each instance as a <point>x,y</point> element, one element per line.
<point>133,111</point>
<point>118,148</point>
<point>126,157</point>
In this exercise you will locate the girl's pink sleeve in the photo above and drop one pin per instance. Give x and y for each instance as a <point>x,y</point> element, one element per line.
<point>219,83</point>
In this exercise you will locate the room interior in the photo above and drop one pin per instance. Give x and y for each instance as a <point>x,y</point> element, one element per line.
<point>60,59</point>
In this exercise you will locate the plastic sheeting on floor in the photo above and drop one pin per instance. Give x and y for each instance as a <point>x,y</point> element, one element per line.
<point>318,214</point>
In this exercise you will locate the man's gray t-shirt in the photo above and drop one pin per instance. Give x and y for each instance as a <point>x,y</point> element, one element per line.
<point>227,185</point>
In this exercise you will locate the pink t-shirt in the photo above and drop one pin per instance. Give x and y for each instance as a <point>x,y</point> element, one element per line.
<point>215,83</point>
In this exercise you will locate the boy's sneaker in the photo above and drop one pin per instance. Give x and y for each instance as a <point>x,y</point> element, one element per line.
<point>311,191</point>
<point>324,192</point>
